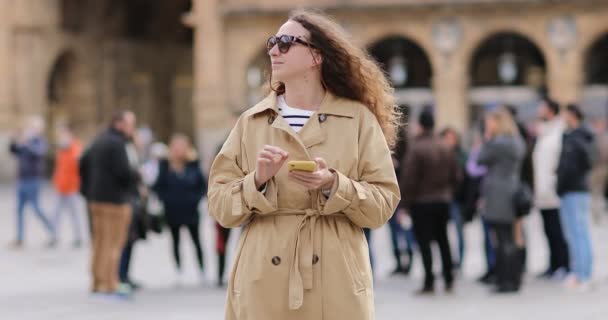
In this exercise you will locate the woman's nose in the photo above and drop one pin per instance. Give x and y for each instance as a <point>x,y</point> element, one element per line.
<point>274,51</point>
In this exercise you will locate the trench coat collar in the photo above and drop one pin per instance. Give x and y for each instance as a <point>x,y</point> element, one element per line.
<point>331,105</point>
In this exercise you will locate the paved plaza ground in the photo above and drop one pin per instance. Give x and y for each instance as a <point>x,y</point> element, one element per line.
<point>39,283</point>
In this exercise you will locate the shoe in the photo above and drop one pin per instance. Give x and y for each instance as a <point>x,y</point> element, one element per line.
<point>16,245</point>
<point>506,290</point>
<point>123,292</point>
<point>398,271</point>
<point>489,278</point>
<point>52,244</point>
<point>135,286</point>
<point>559,274</point>
<point>425,291</point>
<point>571,282</point>
<point>545,275</point>
<point>449,288</point>
<point>585,287</point>
<point>77,244</point>
<point>220,283</point>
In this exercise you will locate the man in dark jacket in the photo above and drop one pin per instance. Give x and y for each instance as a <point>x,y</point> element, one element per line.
<point>575,163</point>
<point>429,176</point>
<point>108,180</point>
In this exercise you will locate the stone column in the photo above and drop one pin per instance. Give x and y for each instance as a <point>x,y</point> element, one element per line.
<point>450,85</point>
<point>210,109</point>
<point>565,76</point>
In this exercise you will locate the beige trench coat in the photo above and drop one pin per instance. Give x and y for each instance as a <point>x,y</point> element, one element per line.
<point>300,255</point>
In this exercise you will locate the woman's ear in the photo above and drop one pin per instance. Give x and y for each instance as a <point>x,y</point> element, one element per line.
<point>317,58</point>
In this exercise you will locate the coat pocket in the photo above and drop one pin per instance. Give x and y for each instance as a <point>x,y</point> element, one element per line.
<point>357,265</point>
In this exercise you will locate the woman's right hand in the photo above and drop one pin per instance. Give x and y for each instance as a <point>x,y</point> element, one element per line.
<point>268,163</point>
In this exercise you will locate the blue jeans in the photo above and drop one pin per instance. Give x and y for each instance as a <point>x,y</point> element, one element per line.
<point>28,191</point>
<point>489,247</point>
<point>397,233</point>
<point>574,215</point>
<point>70,201</point>
<point>456,217</point>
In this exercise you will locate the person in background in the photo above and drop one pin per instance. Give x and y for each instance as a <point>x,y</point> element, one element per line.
<point>430,175</point>
<point>502,153</point>
<point>546,158</point>
<point>222,234</point>
<point>66,180</point>
<point>181,186</point>
<point>137,149</point>
<point>599,173</point>
<point>30,149</point>
<point>400,218</point>
<point>451,139</point>
<point>108,180</point>
<point>473,205</point>
<point>575,163</point>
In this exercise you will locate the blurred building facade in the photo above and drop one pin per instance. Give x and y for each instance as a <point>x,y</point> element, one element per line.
<point>190,65</point>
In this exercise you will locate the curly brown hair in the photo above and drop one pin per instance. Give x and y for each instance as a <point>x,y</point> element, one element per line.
<point>348,71</point>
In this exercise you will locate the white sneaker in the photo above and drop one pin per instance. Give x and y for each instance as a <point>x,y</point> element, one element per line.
<point>571,282</point>
<point>585,286</point>
<point>559,275</point>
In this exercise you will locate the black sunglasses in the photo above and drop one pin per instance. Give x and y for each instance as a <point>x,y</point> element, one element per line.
<point>285,42</point>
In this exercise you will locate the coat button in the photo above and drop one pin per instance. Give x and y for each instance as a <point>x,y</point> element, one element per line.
<point>271,119</point>
<point>276,260</point>
<point>322,117</point>
<point>315,259</point>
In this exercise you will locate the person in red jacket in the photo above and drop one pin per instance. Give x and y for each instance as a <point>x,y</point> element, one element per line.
<point>66,179</point>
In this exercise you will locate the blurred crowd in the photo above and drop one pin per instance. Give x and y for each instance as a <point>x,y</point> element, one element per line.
<point>134,184</point>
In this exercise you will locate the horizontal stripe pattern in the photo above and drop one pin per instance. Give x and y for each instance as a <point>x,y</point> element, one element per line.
<point>296,118</point>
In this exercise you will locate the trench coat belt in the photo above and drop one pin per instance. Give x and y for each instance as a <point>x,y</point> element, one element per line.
<point>300,273</point>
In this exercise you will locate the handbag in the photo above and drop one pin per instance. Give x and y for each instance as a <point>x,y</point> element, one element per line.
<point>523,200</point>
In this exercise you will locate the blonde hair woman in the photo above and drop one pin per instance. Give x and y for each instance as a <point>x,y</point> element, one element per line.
<point>503,153</point>
<point>302,253</point>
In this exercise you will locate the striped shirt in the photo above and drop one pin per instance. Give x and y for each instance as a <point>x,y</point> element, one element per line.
<point>296,118</point>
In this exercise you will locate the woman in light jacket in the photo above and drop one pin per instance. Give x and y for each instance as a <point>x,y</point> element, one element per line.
<point>502,154</point>
<point>302,253</point>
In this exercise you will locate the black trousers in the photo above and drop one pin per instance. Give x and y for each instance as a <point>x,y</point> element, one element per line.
<point>431,224</point>
<point>196,239</point>
<point>509,257</point>
<point>223,236</point>
<point>558,247</point>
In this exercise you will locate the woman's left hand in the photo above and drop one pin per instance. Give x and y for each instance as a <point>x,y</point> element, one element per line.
<point>321,178</point>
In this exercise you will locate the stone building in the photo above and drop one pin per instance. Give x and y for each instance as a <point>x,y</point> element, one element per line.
<point>190,65</point>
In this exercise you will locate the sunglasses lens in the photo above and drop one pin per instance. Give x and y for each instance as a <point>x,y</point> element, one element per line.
<point>285,43</point>
<point>272,41</point>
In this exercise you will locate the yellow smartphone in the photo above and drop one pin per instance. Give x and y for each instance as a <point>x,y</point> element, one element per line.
<point>308,166</point>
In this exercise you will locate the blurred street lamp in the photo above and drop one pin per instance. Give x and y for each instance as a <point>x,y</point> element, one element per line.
<point>397,70</point>
<point>507,68</point>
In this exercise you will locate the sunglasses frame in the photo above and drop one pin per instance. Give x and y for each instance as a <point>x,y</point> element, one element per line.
<point>284,46</point>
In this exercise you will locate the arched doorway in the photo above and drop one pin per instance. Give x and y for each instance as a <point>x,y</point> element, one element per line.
<point>506,69</point>
<point>595,93</point>
<point>409,70</point>
<point>71,97</point>
<point>141,55</point>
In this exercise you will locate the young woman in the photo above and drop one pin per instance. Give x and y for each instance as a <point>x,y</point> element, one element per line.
<point>180,186</point>
<point>503,153</point>
<point>302,253</point>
